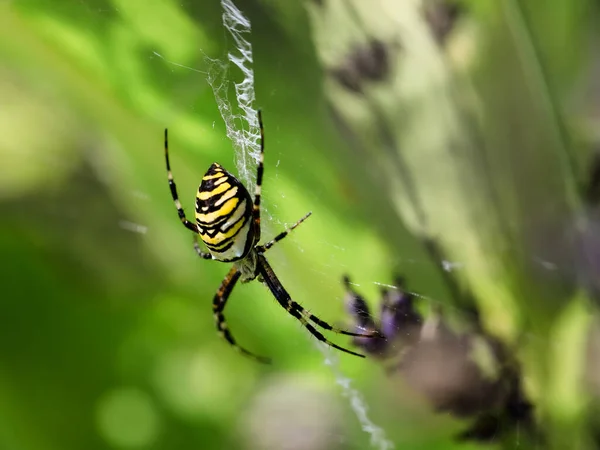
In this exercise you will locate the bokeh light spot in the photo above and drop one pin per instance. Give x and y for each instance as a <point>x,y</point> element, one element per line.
<point>127,418</point>
<point>197,384</point>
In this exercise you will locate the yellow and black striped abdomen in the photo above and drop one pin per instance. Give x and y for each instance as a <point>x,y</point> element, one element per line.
<point>224,215</point>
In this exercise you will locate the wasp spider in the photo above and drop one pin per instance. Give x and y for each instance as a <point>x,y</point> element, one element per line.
<point>228,222</point>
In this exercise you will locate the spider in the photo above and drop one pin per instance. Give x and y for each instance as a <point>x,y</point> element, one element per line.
<point>228,222</point>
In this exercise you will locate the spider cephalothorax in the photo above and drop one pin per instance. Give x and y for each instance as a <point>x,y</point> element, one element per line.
<point>228,222</point>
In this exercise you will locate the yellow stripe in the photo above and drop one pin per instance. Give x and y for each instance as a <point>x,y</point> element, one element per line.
<point>226,196</point>
<point>219,237</point>
<point>236,228</point>
<point>205,195</point>
<point>235,216</point>
<point>211,177</point>
<point>224,211</point>
<point>218,182</point>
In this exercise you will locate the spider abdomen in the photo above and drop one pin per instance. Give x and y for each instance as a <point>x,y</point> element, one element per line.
<point>224,215</point>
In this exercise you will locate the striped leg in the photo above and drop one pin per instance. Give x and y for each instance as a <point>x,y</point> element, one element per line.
<point>281,235</point>
<point>219,302</point>
<point>201,254</point>
<point>190,225</point>
<point>259,178</point>
<point>284,299</point>
<point>337,330</point>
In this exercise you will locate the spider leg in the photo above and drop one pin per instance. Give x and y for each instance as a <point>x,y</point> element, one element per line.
<point>259,178</point>
<point>283,234</point>
<point>190,225</point>
<point>284,299</point>
<point>219,302</point>
<point>360,310</point>
<point>326,326</point>
<point>199,251</point>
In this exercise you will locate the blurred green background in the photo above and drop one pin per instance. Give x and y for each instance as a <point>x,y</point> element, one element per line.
<point>107,338</point>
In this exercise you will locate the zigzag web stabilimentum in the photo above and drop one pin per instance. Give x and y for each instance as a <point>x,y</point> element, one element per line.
<point>241,121</point>
<point>243,131</point>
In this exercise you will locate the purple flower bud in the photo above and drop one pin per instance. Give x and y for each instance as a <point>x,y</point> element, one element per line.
<point>398,314</point>
<point>357,308</point>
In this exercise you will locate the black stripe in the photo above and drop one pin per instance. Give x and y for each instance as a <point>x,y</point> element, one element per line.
<point>223,218</point>
<point>212,202</point>
<point>208,186</point>
<point>220,219</point>
<point>209,231</point>
<point>214,223</point>
<point>243,218</point>
<point>212,229</point>
<point>220,250</point>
